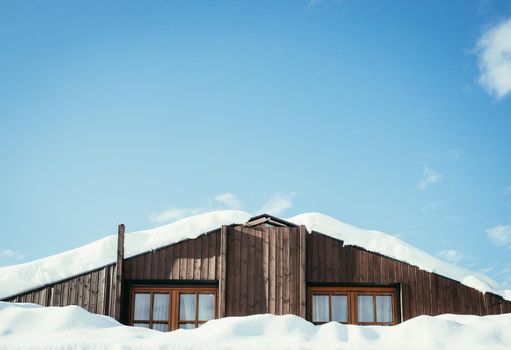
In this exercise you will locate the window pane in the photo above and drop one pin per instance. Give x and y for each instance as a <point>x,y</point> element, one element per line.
<point>320,308</point>
<point>143,325</point>
<point>187,307</point>
<point>340,308</point>
<point>163,327</point>
<point>141,306</point>
<point>161,307</point>
<point>206,307</point>
<point>384,308</point>
<point>186,325</point>
<point>365,308</point>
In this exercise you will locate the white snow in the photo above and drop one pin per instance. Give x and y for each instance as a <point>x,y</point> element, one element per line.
<point>29,326</point>
<point>19,278</point>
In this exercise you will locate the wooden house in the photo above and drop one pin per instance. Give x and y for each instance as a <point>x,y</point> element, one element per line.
<point>266,265</point>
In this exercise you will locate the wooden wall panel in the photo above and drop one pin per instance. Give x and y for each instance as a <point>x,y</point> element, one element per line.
<point>423,293</point>
<point>194,259</point>
<point>265,273</point>
<point>266,270</point>
<point>86,290</point>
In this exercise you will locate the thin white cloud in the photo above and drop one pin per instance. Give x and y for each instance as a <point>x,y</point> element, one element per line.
<point>10,254</point>
<point>429,176</point>
<point>222,201</point>
<point>229,200</point>
<point>278,203</point>
<point>174,214</point>
<point>451,255</point>
<point>494,51</point>
<point>432,206</point>
<point>313,3</point>
<point>500,235</point>
<point>453,154</point>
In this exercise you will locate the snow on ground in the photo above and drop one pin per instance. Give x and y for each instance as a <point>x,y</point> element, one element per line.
<point>30,326</point>
<point>19,278</point>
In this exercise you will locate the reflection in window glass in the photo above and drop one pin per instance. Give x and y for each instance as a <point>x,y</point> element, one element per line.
<point>365,308</point>
<point>142,306</point>
<point>161,307</point>
<point>340,308</point>
<point>186,325</point>
<point>206,307</point>
<point>187,307</point>
<point>384,308</point>
<point>142,325</point>
<point>320,308</point>
<point>162,327</point>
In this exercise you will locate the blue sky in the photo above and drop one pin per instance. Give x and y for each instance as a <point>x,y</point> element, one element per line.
<point>392,115</point>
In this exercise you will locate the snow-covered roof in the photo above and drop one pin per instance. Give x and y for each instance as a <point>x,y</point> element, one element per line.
<point>16,279</point>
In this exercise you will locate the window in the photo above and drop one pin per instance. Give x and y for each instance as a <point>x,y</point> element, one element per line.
<point>355,305</point>
<point>167,309</point>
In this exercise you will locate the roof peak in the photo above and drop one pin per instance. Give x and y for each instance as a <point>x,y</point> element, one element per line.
<point>267,219</point>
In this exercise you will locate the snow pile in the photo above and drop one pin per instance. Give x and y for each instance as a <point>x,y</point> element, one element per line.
<point>29,326</point>
<point>23,277</point>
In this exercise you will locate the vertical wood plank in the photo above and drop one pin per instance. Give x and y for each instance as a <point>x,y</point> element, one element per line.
<point>244,271</point>
<point>222,270</point>
<point>259,302</point>
<point>272,278</point>
<point>285,271</point>
<point>266,271</point>
<point>119,271</point>
<point>250,233</point>
<point>212,273</point>
<point>303,272</point>
<point>197,243</point>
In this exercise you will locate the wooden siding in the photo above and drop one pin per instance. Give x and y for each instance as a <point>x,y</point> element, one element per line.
<point>267,270</point>
<point>193,259</point>
<point>265,273</point>
<point>95,291</point>
<point>423,293</point>
<point>91,290</point>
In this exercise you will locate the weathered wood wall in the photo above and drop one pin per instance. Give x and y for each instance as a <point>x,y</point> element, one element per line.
<point>265,270</point>
<point>423,293</point>
<point>94,291</point>
<point>194,259</point>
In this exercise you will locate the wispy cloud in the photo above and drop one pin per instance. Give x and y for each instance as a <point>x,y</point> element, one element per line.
<point>278,203</point>
<point>451,255</point>
<point>10,254</point>
<point>222,201</point>
<point>453,154</point>
<point>500,235</point>
<point>432,206</point>
<point>229,200</point>
<point>429,176</point>
<point>494,51</point>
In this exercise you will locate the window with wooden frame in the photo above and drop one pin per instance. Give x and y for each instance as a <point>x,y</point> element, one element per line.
<point>354,305</point>
<point>167,309</point>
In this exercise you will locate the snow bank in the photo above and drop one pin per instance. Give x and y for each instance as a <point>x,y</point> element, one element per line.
<point>19,278</point>
<point>29,326</point>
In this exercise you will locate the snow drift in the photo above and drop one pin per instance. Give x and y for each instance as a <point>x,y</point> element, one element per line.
<point>19,278</point>
<point>30,326</point>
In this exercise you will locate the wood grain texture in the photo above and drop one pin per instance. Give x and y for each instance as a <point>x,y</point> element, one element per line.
<point>422,292</point>
<point>268,270</point>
